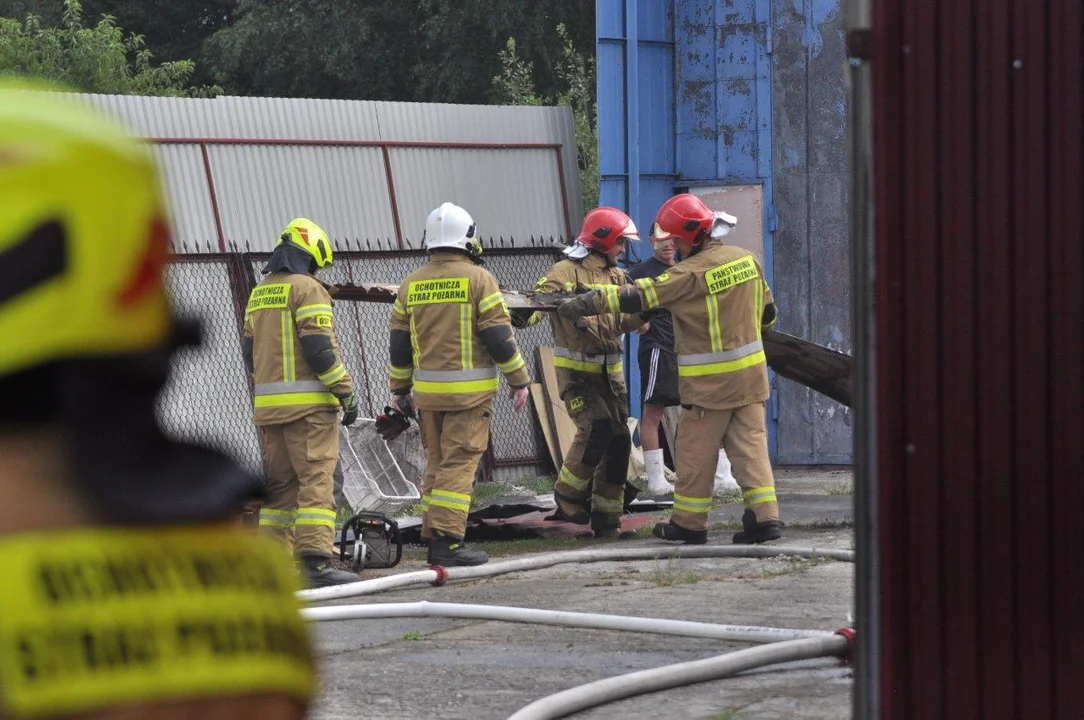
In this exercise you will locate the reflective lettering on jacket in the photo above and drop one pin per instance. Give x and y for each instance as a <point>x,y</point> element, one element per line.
<point>295,361</point>
<point>451,336</point>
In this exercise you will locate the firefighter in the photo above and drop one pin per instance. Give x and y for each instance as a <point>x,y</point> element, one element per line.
<point>720,303</point>
<point>587,353</point>
<point>451,339</point>
<point>122,559</point>
<point>300,384</point>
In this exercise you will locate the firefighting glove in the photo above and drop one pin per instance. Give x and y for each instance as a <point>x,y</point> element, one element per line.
<point>520,318</point>
<point>350,409</point>
<point>575,308</point>
<point>392,423</point>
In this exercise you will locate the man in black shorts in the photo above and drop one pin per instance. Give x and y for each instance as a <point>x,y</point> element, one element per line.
<point>659,379</point>
<point>658,370</point>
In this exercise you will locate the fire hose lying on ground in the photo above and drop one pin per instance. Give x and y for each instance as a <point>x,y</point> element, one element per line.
<point>780,645</point>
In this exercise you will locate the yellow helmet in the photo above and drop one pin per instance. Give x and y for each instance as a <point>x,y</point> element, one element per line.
<point>83,234</point>
<point>310,237</point>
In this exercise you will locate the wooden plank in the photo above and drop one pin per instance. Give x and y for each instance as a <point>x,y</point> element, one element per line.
<point>541,408</point>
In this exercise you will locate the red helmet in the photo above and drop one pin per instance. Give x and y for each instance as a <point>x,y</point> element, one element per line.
<point>603,226</point>
<point>683,216</point>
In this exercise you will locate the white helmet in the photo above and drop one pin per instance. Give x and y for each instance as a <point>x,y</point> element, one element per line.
<point>450,226</point>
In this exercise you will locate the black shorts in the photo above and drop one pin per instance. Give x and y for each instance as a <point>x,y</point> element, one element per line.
<point>658,377</point>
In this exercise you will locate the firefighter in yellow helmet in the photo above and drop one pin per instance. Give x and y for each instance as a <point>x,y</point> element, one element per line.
<point>125,577</point>
<point>720,303</point>
<point>451,340</point>
<point>290,348</point>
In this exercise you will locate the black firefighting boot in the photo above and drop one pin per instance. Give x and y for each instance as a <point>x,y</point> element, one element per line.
<point>448,551</point>
<point>673,531</point>
<point>569,510</point>
<point>319,572</point>
<point>606,526</point>
<point>753,532</point>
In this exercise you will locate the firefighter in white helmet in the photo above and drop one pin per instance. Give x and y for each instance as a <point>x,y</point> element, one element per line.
<point>720,303</point>
<point>590,485</point>
<point>451,340</point>
<point>129,590</point>
<point>300,383</point>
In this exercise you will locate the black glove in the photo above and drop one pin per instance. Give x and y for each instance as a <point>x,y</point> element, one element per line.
<point>520,318</point>
<point>392,423</point>
<point>350,409</point>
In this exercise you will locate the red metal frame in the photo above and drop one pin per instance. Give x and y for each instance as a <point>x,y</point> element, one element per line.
<point>385,146</point>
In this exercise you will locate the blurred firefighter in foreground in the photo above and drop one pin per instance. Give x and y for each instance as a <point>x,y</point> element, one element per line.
<point>128,590</point>
<point>300,382</point>
<point>720,303</point>
<point>587,354</point>
<point>451,340</point>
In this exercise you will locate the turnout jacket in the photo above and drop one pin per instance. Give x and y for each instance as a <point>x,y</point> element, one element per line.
<point>451,336</point>
<point>720,303</point>
<point>290,349</point>
<point>591,351</point>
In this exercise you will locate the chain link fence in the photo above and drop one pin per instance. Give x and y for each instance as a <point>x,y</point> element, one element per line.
<point>209,396</point>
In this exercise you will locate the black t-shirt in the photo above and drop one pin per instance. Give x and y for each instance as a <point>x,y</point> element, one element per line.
<point>661,333</point>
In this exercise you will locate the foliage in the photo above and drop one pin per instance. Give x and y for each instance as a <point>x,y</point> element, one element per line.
<point>99,59</point>
<point>576,75</point>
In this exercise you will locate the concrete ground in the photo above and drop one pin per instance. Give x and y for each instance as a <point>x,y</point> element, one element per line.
<point>446,668</point>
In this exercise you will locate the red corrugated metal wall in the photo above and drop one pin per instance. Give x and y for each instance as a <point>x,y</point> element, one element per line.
<point>980,343</point>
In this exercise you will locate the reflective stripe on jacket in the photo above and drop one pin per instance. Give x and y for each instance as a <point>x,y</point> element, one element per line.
<point>717,299</point>
<point>292,350</point>
<point>451,335</point>
<point>591,353</point>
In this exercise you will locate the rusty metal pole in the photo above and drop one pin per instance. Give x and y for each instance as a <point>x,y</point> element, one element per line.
<point>860,127</point>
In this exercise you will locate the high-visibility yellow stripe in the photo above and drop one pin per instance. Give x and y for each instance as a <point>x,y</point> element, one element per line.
<point>425,502</point>
<point>333,375</point>
<point>491,301</point>
<point>512,365</point>
<point>758,306</point>
<point>286,329</point>
<point>415,348</point>
<point>450,500</point>
<point>759,496</point>
<point>613,298</point>
<point>276,518</point>
<point>397,307</point>
<point>457,387</point>
<point>711,302</point>
<point>607,505</point>
<point>308,310</point>
<point>569,478</point>
<point>584,366</point>
<point>316,516</point>
<point>651,298</point>
<point>295,399</point>
<point>466,336</point>
<point>692,504</point>
<point>396,372</point>
<point>719,368</point>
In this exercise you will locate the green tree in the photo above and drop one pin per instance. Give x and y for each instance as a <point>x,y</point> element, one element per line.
<point>575,75</point>
<point>100,58</point>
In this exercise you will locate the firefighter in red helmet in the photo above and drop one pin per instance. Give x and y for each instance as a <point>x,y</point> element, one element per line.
<point>588,357</point>
<point>720,303</point>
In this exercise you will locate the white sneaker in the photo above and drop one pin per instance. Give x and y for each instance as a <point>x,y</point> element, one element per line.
<point>653,467</point>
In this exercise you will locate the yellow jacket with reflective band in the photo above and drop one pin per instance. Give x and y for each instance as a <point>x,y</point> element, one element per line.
<point>455,315</point>
<point>591,354</point>
<point>717,300</point>
<point>281,310</point>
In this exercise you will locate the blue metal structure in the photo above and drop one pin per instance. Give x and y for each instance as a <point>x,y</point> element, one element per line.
<point>674,115</point>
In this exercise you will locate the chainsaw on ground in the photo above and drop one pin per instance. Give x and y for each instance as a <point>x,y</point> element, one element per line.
<point>376,544</point>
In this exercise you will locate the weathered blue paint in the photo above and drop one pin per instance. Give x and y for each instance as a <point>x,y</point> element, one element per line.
<point>686,98</point>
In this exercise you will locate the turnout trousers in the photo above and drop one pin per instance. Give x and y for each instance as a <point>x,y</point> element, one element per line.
<point>455,441</point>
<point>300,505</point>
<point>742,432</point>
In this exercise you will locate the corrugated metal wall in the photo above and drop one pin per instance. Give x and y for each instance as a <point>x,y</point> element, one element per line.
<point>237,169</point>
<point>979,404</point>
<point>811,254</point>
